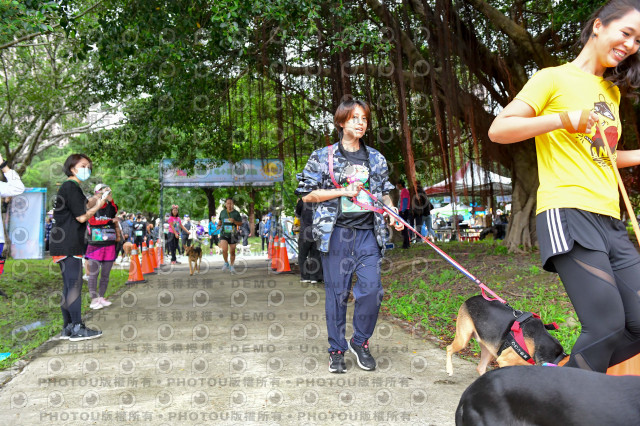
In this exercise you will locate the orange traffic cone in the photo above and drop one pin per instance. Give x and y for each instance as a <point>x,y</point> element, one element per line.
<point>283,265</point>
<point>275,250</point>
<point>628,367</point>
<point>159,255</point>
<point>135,270</point>
<point>152,255</point>
<point>147,268</point>
<point>270,248</point>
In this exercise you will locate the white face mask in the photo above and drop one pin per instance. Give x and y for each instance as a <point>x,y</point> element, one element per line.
<point>83,173</point>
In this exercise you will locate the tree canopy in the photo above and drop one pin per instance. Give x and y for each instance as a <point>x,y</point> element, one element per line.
<point>227,80</point>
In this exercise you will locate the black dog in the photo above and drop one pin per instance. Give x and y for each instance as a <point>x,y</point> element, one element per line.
<point>491,323</point>
<point>550,396</point>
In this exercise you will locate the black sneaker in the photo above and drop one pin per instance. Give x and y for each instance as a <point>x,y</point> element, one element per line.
<point>336,362</point>
<point>364,357</point>
<point>66,332</point>
<point>82,332</point>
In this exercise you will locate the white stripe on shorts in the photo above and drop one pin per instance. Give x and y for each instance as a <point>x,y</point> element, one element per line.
<point>554,225</point>
<point>560,230</point>
<point>550,229</point>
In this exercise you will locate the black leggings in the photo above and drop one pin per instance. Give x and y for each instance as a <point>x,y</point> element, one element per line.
<point>172,245</point>
<point>70,305</point>
<point>608,305</point>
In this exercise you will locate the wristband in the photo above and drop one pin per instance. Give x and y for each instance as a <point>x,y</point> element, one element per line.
<point>582,124</point>
<point>3,164</point>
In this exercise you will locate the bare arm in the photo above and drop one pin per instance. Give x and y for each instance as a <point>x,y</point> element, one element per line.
<point>320,195</point>
<point>99,203</point>
<point>628,158</point>
<point>517,122</point>
<point>386,199</point>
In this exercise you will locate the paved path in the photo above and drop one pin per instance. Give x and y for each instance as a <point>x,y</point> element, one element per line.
<point>222,349</point>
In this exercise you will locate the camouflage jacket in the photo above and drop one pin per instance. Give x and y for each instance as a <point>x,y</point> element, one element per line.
<point>316,176</point>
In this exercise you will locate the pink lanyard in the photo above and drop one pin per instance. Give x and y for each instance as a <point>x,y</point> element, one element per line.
<point>353,199</point>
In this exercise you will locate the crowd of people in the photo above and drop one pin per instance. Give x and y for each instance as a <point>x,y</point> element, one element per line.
<point>88,233</point>
<point>345,210</point>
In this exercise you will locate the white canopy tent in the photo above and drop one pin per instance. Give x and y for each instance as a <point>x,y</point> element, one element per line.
<point>448,210</point>
<point>472,177</point>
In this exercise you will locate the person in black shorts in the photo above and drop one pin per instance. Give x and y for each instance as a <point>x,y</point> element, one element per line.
<point>228,222</point>
<point>573,111</point>
<point>139,231</point>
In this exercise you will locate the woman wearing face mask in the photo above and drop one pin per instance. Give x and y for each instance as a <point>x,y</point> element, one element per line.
<point>67,245</point>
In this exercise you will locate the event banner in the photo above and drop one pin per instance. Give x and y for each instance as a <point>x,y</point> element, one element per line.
<point>26,224</point>
<point>209,174</point>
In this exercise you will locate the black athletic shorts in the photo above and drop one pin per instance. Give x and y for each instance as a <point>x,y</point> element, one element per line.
<point>559,229</point>
<point>231,239</point>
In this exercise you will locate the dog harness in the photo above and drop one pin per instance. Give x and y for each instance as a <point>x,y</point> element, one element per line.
<point>515,338</point>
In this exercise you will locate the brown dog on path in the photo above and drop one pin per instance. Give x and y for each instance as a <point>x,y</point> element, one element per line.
<point>126,251</point>
<point>195,256</point>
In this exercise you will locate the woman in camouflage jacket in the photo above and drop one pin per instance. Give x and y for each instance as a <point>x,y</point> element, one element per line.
<point>350,230</point>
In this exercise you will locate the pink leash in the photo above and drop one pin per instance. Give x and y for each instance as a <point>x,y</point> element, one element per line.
<point>446,257</point>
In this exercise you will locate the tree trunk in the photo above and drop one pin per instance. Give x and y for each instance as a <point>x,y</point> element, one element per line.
<point>407,149</point>
<point>280,117</point>
<point>211,201</point>
<point>252,212</point>
<point>521,232</point>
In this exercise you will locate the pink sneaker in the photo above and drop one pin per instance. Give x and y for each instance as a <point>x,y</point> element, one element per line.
<point>105,302</point>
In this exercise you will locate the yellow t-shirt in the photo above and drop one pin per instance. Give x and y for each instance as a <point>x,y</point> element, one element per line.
<point>574,169</point>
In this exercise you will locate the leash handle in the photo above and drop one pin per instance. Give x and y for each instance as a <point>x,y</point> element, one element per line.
<point>623,191</point>
<point>446,257</point>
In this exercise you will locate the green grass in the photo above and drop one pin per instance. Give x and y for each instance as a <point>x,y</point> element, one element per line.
<point>34,288</point>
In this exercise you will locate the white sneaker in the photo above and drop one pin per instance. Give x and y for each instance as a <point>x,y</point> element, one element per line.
<point>314,282</point>
<point>225,266</point>
<point>95,304</point>
<point>232,269</point>
<point>105,302</point>
<point>305,281</point>
<point>85,277</point>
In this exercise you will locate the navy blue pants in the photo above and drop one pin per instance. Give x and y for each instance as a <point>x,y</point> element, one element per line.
<point>351,251</point>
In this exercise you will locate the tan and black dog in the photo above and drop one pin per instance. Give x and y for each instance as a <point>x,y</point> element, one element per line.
<point>490,323</point>
<point>549,396</point>
<point>195,256</point>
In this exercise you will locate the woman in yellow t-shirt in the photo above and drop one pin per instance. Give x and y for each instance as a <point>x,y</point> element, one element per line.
<point>580,233</point>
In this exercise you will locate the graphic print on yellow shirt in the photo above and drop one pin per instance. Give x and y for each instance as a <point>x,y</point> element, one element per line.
<point>573,168</point>
<point>596,144</point>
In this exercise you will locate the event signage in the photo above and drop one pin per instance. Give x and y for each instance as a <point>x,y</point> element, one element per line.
<point>26,224</point>
<point>206,173</point>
